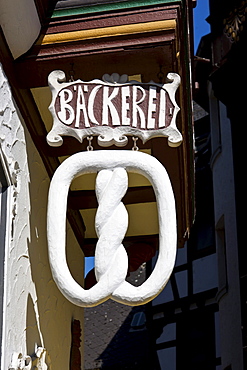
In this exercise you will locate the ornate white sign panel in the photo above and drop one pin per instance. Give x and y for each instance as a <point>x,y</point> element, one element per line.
<point>113,110</point>
<point>111,222</point>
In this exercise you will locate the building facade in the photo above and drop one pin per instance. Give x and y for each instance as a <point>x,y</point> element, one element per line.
<point>221,54</point>
<point>33,312</point>
<point>199,320</point>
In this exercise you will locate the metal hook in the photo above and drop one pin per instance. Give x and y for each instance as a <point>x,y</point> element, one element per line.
<point>89,147</point>
<point>135,147</point>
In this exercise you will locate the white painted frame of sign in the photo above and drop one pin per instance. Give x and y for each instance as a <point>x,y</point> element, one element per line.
<point>107,135</point>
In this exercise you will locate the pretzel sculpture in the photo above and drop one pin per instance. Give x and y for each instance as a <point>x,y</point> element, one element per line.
<point>111,222</point>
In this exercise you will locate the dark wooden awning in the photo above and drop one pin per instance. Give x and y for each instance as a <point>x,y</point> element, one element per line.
<point>149,40</point>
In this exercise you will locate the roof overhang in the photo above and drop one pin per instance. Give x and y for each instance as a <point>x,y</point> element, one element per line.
<point>150,40</point>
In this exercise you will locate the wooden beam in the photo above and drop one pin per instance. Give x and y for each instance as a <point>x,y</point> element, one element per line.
<point>86,199</point>
<point>122,30</point>
<point>128,16</point>
<point>124,40</point>
<point>132,55</point>
<point>65,8</point>
<point>89,244</point>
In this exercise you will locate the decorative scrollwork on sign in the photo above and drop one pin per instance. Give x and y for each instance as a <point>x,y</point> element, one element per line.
<point>234,23</point>
<point>111,222</point>
<point>113,109</point>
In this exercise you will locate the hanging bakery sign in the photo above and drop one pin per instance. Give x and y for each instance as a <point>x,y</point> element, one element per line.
<point>113,109</point>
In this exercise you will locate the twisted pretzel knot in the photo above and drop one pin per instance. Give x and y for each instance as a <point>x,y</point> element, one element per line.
<point>111,222</point>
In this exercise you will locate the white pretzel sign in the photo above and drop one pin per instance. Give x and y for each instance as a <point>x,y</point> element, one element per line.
<point>111,222</point>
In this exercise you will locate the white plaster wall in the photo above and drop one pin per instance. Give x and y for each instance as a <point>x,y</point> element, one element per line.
<point>35,312</point>
<point>224,204</point>
<point>20,23</point>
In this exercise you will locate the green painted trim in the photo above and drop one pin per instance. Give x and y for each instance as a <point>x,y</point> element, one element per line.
<point>108,7</point>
